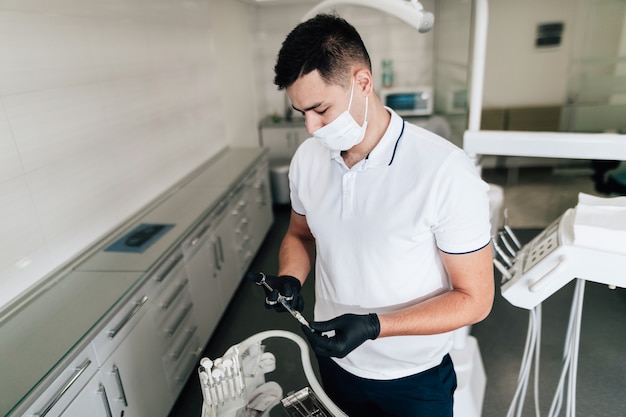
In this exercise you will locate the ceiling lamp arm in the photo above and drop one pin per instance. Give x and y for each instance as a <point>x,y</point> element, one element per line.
<point>409,11</point>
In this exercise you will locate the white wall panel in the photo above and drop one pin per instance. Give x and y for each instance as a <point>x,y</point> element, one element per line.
<point>120,48</point>
<point>76,200</point>
<point>50,124</point>
<point>10,163</point>
<point>103,106</point>
<point>71,7</point>
<point>23,251</point>
<point>517,73</point>
<point>32,59</point>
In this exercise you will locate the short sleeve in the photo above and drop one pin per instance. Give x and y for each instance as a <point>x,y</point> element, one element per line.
<point>294,177</point>
<point>460,207</point>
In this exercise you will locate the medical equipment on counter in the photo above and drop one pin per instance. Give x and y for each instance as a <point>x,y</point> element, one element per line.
<point>234,385</point>
<point>588,243</point>
<point>259,279</point>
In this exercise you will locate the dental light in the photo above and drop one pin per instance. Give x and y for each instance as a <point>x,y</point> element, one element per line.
<point>409,11</point>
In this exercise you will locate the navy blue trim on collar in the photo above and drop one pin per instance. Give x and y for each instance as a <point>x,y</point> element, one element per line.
<point>396,145</point>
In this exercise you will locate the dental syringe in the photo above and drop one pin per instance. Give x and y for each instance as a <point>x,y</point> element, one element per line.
<point>259,279</point>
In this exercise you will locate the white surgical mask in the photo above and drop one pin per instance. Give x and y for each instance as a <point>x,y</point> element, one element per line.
<point>344,132</point>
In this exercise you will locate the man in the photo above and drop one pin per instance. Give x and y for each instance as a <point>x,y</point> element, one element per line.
<point>397,221</point>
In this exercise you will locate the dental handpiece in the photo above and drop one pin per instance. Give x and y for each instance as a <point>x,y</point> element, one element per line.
<point>260,280</point>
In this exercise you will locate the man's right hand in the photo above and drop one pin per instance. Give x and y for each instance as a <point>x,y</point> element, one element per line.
<point>284,285</point>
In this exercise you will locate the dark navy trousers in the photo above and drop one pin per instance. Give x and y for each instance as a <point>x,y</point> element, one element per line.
<point>427,394</point>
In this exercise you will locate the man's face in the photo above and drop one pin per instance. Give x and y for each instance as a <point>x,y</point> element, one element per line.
<point>320,103</point>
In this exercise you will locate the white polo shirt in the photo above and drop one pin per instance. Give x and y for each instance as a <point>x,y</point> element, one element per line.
<point>378,229</point>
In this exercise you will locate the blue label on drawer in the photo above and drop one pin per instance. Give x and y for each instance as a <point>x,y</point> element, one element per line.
<point>140,238</point>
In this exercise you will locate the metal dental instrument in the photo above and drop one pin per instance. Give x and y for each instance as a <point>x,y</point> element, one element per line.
<point>509,233</point>
<point>506,275</point>
<point>260,280</point>
<point>509,247</point>
<point>503,255</point>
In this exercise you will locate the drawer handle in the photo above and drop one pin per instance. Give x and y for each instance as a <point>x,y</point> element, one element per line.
<point>260,186</point>
<point>174,295</point>
<point>120,385</point>
<point>182,377</point>
<point>237,189</point>
<point>220,209</point>
<point>136,307</point>
<point>56,397</point>
<point>169,269</point>
<point>221,247</point>
<point>105,399</point>
<point>216,257</point>
<point>178,352</point>
<point>196,239</point>
<point>179,320</point>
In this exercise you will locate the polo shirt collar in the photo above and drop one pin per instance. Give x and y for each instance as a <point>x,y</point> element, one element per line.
<point>384,152</point>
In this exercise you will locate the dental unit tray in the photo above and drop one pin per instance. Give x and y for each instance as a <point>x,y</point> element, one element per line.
<point>235,386</point>
<point>586,242</point>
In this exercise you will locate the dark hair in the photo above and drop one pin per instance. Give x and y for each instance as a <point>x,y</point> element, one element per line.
<point>326,43</point>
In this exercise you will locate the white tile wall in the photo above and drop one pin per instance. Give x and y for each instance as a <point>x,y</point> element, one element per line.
<point>33,60</point>
<point>23,252</point>
<point>103,106</point>
<point>10,164</point>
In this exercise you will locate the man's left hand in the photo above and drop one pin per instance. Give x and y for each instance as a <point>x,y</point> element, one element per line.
<point>351,330</point>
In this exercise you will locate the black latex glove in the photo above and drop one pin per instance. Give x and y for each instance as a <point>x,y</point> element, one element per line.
<point>285,285</point>
<point>351,330</point>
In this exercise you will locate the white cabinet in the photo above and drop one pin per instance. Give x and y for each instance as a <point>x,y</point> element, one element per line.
<point>130,383</point>
<point>283,139</point>
<point>221,248</point>
<point>201,257</point>
<point>134,377</point>
<point>67,386</point>
<point>240,219</point>
<point>227,266</point>
<point>173,315</point>
<point>259,205</point>
<point>154,315</point>
<point>92,401</point>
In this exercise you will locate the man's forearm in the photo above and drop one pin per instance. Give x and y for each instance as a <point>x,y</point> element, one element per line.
<point>440,314</point>
<point>296,256</point>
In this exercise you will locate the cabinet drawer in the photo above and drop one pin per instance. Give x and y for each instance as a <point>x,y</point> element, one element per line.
<point>169,270</point>
<point>194,242</point>
<point>182,357</point>
<point>122,323</point>
<point>169,300</point>
<point>180,313</point>
<point>245,251</point>
<point>62,391</point>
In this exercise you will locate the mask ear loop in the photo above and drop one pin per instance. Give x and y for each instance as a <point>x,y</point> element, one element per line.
<point>350,102</point>
<point>366,104</point>
<point>351,94</point>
